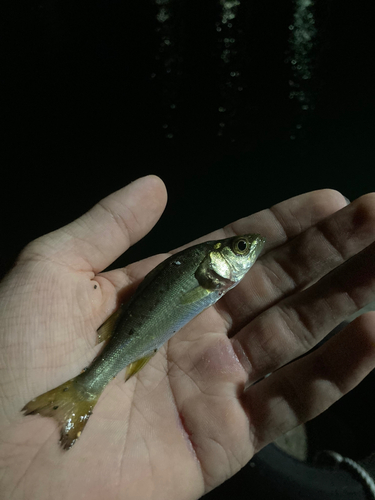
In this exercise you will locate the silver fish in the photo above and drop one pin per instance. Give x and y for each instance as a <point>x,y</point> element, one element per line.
<point>170,296</point>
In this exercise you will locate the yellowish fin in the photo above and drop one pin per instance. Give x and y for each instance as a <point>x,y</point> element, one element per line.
<point>70,404</point>
<point>195,295</point>
<point>108,327</point>
<point>134,367</point>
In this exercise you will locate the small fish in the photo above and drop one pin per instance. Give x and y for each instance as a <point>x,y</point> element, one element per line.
<point>170,296</point>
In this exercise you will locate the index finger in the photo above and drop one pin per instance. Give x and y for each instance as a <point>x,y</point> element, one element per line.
<point>283,220</point>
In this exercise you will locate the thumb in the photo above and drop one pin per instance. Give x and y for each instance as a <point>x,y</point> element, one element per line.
<point>94,240</point>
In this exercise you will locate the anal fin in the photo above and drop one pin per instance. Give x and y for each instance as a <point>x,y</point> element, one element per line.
<point>134,367</point>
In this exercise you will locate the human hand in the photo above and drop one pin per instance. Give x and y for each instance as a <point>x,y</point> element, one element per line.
<point>191,418</point>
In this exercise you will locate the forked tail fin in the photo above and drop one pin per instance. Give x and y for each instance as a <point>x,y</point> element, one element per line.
<point>70,404</point>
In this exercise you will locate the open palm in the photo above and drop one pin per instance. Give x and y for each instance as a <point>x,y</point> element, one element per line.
<point>193,416</point>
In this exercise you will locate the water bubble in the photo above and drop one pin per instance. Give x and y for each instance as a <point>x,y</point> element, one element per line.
<point>221,109</point>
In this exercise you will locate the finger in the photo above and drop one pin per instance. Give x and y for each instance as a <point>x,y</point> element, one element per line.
<point>96,239</point>
<point>297,323</point>
<point>301,261</point>
<point>284,220</point>
<point>307,387</point>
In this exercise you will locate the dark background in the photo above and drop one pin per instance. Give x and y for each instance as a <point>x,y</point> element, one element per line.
<point>93,97</point>
<point>84,113</point>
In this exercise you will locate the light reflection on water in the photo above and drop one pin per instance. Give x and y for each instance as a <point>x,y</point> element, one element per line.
<point>229,76</point>
<point>231,89</point>
<point>300,56</point>
<point>167,62</point>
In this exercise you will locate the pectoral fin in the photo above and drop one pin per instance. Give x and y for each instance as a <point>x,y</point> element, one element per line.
<point>134,367</point>
<point>194,295</point>
<point>108,327</point>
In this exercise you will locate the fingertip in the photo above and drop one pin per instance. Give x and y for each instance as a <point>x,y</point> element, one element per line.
<point>153,180</point>
<point>363,325</point>
<point>332,197</point>
<point>154,187</point>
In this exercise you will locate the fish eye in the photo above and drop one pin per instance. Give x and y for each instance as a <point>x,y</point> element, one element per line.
<point>240,246</point>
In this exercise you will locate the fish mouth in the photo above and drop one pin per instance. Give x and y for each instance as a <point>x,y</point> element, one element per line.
<point>258,246</point>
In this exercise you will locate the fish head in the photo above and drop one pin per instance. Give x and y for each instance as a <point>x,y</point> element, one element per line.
<point>233,257</point>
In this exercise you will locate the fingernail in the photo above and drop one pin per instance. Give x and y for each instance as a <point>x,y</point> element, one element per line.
<point>347,200</point>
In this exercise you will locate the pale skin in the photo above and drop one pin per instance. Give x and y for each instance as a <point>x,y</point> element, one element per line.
<point>191,418</point>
